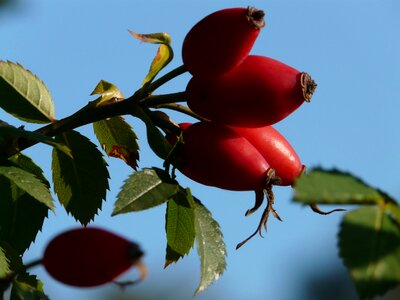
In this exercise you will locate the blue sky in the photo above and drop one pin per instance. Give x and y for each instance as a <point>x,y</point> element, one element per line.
<point>351,48</point>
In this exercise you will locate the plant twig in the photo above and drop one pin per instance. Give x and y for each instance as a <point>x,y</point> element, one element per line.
<point>182,109</point>
<point>156,100</point>
<point>94,112</point>
<point>167,77</point>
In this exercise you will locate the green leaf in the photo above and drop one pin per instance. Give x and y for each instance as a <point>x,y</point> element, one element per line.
<point>157,141</point>
<point>27,164</point>
<point>27,287</point>
<point>28,183</point>
<point>24,95</point>
<point>21,216</point>
<point>394,210</point>
<point>14,258</point>
<point>334,187</point>
<point>210,246</point>
<point>118,140</point>
<point>10,136</point>
<point>107,90</point>
<point>369,243</point>
<point>145,189</point>
<point>4,263</point>
<point>80,183</point>
<point>179,226</point>
<point>164,53</point>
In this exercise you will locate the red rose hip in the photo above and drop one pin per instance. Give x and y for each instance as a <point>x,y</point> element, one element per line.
<point>260,91</point>
<point>86,257</point>
<point>221,41</point>
<point>276,150</point>
<point>216,155</point>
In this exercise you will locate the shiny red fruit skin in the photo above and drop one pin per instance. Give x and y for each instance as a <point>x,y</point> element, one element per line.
<point>276,150</point>
<point>219,42</point>
<point>259,92</point>
<point>87,257</point>
<point>215,155</point>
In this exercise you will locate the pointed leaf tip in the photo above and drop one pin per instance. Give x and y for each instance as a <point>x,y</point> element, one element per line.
<point>163,56</point>
<point>179,225</point>
<point>210,247</point>
<point>334,187</point>
<point>145,189</point>
<point>153,38</point>
<point>118,140</point>
<point>24,95</point>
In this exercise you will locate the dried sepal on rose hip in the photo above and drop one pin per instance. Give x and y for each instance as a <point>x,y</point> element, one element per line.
<point>217,155</point>
<point>87,257</point>
<point>260,91</point>
<point>221,41</point>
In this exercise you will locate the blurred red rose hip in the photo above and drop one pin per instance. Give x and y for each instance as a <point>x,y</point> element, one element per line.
<point>87,257</point>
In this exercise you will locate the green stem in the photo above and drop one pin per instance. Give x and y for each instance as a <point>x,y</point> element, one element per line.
<point>90,113</point>
<point>156,100</point>
<point>182,109</point>
<point>167,77</point>
<point>164,124</point>
<point>94,112</point>
<point>33,263</point>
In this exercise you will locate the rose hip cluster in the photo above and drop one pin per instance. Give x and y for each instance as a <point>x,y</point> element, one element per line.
<point>238,97</point>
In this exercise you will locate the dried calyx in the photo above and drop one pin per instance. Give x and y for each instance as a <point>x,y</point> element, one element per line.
<point>269,195</point>
<point>256,17</point>
<point>308,86</point>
